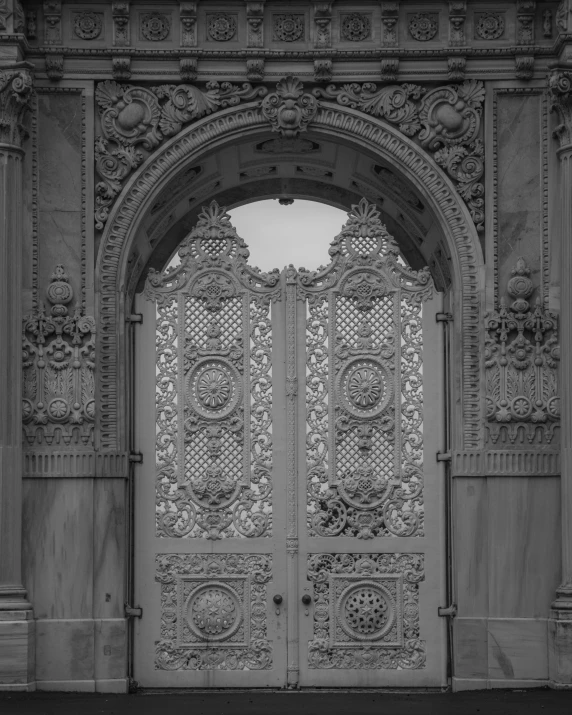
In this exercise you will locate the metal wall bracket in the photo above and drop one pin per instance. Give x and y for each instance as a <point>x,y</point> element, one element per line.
<point>449,612</point>
<point>443,456</point>
<point>134,318</point>
<point>132,611</point>
<point>136,457</point>
<point>444,317</point>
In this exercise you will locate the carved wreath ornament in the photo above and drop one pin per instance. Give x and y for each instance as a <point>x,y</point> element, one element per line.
<point>135,120</point>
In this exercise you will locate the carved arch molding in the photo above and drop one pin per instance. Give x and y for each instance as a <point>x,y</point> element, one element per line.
<point>290,111</point>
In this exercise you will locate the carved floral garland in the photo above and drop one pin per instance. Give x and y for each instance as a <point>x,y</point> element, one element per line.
<point>135,120</point>
<point>58,365</point>
<point>521,361</point>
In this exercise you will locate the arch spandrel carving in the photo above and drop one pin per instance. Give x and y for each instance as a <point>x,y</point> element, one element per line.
<point>351,126</point>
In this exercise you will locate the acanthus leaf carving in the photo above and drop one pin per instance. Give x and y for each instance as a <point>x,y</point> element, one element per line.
<point>438,119</point>
<point>136,116</point>
<point>521,363</point>
<point>560,88</point>
<point>15,104</point>
<point>58,370</point>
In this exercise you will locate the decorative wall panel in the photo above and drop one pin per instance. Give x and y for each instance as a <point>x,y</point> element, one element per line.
<point>213,612</point>
<point>366,612</point>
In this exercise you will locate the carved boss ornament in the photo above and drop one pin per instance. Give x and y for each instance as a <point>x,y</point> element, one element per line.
<point>289,110</point>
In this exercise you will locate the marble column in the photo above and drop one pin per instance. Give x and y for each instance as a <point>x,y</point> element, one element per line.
<point>560,623</point>
<point>16,624</point>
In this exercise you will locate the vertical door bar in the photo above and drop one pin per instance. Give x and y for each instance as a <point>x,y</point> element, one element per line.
<point>292,478</point>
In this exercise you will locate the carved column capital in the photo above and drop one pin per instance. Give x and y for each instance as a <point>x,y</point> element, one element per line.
<point>560,86</point>
<point>15,97</point>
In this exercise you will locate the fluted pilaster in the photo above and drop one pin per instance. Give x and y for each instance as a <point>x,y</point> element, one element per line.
<point>561,615</point>
<point>16,628</point>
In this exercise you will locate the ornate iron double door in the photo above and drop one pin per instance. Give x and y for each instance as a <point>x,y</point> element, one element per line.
<point>288,512</point>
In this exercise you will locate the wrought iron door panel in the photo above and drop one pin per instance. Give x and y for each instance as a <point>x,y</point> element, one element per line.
<point>216,549</point>
<point>368,560</point>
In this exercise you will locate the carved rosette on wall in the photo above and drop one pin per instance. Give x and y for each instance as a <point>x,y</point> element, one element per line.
<point>366,611</point>
<point>58,365</point>
<point>214,339</point>
<point>364,387</point>
<point>213,612</point>
<point>522,355</point>
<point>446,121</point>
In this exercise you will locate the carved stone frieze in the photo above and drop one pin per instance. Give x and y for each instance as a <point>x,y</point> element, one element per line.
<point>88,25</point>
<point>445,120</point>
<point>457,19</point>
<point>121,29</point>
<point>52,22</point>
<point>355,27</point>
<point>135,120</point>
<point>221,27</point>
<point>289,28</point>
<point>525,12</point>
<point>155,26</point>
<point>389,22</point>
<point>323,24</point>
<point>521,362</point>
<point>188,16</point>
<point>15,105</point>
<point>424,26</point>
<point>366,611</point>
<point>489,25</point>
<point>255,23</point>
<point>58,370</point>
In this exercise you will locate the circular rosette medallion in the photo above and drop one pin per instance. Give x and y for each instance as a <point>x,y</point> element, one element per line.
<point>214,611</point>
<point>214,388</point>
<point>365,387</point>
<point>366,611</point>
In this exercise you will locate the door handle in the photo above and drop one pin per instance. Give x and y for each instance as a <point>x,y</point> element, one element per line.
<point>306,599</point>
<point>277,599</point>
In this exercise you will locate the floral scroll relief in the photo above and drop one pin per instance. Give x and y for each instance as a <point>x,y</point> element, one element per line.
<point>521,361</point>
<point>213,612</point>
<point>366,611</point>
<point>135,120</point>
<point>364,393</point>
<point>214,387</point>
<point>445,121</point>
<point>58,370</point>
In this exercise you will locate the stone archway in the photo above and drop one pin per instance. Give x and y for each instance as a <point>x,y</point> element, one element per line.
<point>330,120</point>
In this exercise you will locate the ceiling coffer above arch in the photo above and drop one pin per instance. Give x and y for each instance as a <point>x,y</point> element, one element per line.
<point>135,120</point>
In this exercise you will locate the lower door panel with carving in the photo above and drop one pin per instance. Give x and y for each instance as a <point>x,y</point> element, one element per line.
<point>210,546</point>
<point>371,561</point>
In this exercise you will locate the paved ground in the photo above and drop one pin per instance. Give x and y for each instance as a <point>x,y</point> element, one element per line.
<point>535,702</point>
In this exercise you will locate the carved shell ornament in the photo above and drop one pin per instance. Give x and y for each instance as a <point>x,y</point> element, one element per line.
<point>289,110</point>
